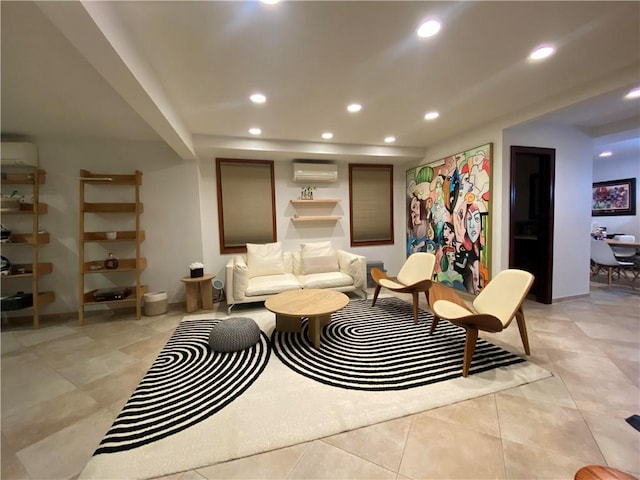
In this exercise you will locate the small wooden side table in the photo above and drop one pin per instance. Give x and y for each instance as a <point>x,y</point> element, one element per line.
<point>199,292</point>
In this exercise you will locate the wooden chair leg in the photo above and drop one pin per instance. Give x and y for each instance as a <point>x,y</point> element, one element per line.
<point>375,295</point>
<point>434,321</point>
<point>522,326</point>
<point>415,306</point>
<point>610,276</point>
<point>434,324</point>
<point>469,348</point>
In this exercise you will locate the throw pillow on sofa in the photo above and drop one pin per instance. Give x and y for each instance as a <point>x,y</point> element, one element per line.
<point>264,259</point>
<point>318,257</point>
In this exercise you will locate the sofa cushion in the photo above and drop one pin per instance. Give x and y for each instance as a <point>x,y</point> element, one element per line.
<point>287,257</point>
<point>296,263</point>
<point>264,259</point>
<point>270,284</point>
<point>318,257</point>
<point>240,276</point>
<point>325,280</point>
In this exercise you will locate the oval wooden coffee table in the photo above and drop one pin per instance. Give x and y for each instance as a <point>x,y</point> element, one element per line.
<point>315,304</point>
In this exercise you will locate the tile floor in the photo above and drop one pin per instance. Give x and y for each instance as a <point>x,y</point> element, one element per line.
<point>63,385</point>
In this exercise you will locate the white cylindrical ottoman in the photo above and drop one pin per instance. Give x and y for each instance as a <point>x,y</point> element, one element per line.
<point>234,334</point>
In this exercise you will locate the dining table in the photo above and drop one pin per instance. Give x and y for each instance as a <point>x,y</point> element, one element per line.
<point>617,243</point>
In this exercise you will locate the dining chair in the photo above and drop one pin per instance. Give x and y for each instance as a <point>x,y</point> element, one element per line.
<point>603,258</point>
<point>414,277</point>
<point>497,304</point>
<point>624,253</point>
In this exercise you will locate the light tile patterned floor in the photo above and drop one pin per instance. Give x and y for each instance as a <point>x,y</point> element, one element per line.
<point>63,385</point>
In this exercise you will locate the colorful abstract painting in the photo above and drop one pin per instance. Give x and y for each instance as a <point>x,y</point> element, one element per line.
<point>448,214</point>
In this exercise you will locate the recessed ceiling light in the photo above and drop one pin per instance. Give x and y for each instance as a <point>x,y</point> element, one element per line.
<point>542,52</point>
<point>605,154</point>
<point>635,93</point>
<point>255,131</point>
<point>354,107</point>
<point>389,139</point>
<point>428,28</point>
<point>327,135</point>
<point>431,115</point>
<point>258,98</point>
<point>270,2</point>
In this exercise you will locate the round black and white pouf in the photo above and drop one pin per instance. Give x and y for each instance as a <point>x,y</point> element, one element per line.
<point>234,334</point>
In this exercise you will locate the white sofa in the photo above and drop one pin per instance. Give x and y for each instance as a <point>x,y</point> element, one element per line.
<point>266,270</point>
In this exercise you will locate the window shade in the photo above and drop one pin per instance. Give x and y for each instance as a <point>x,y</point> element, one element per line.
<point>246,207</point>
<point>371,204</point>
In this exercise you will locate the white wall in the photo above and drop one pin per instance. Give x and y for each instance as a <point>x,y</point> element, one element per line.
<point>290,234</point>
<point>572,215</point>
<point>180,217</point>
<point>573,190</point>
<point>612,168</point>
<point>171,217</point>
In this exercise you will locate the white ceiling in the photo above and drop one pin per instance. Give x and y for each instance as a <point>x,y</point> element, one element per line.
<point>183,72</point>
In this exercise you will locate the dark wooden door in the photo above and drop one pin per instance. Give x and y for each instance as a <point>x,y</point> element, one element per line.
<point>531,216</point>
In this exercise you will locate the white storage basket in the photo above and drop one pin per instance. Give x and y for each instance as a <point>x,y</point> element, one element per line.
<point>155,303</point>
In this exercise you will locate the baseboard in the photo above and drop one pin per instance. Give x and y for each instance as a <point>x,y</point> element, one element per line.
<point>570,297</point>
<point>66,316</point>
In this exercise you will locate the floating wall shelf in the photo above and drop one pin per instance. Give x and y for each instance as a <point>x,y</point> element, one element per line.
<point>316,218</point>
<point>305,205</point>
<point>318,201</point>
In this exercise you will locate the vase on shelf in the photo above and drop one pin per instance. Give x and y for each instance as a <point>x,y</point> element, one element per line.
<point>111,263</point>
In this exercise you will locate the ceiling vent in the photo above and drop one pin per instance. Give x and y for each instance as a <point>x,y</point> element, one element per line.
<point>313,172</point>
<point>19,154</point>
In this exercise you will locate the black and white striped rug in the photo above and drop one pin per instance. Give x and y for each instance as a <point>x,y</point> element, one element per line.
<point>196,408</point>
<point>186,384</point>
<point>363,348</point>
<point>380,348</point>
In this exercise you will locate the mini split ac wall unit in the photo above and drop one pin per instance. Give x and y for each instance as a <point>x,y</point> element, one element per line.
<point>21,154</point>
<point>314,172</point>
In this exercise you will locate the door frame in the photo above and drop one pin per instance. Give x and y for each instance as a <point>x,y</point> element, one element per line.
<point>544,292</point>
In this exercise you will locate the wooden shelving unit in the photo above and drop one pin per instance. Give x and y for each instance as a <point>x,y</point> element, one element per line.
<point>128,266</point>
<point>32,237</point>
<point>306,206</point>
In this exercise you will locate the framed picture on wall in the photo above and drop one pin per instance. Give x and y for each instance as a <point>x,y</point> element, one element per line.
<point>614,197</point>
